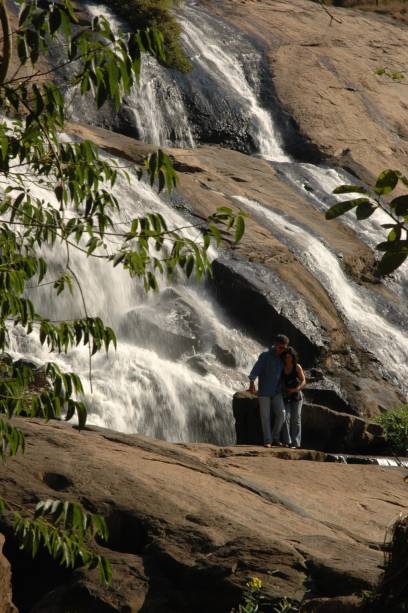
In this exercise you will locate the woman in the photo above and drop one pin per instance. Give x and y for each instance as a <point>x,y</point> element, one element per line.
<point>294,381</point>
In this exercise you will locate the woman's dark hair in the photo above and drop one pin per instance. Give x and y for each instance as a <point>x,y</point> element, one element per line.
<point>293,353</point>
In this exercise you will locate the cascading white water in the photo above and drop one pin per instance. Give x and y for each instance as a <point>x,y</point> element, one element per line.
<point>367,320</point>
<point>156,102</point>
<point>226,70</point>
<point>144,386</point>
<point>363,318</point>
<point>320,182</point>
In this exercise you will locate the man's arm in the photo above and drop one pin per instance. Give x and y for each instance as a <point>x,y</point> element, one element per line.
<point>255,373</point>
<point>252,388</point>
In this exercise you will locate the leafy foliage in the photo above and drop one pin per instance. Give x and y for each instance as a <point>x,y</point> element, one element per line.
<point>395,248</point>
<point>251,597</point>
<point>395,424</point>
<point>76,211</point>
<point>66,532</point>
<point>11,439</point>
<point>156,14</point>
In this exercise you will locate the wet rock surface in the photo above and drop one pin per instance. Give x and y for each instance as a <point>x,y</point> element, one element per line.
<point>257,298</point>
<point>189,523</point>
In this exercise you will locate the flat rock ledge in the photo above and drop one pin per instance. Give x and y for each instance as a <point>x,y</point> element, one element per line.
<point>322,428</point>
<point>190,523</point>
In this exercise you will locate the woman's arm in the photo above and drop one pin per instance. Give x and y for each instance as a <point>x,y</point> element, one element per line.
<point>301,376</point>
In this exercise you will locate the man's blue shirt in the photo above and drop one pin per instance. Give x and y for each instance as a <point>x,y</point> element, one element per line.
<point>268,369</point>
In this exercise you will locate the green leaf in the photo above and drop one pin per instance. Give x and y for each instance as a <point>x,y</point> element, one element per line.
<point>239,228</point>
<point>365,210</point>
<point>391,261</point>
<point>189,266</point>
<point>348,189</point>
<point>105,570</point>
<point>22,49</point>
<point>82,415</point>
<point>394,245</point>
<point>386,182</point>
<point>65,531</point>
<point>400,205</point>
<point>33,42</point>
<point>55,20</point>
<point>394,234</point>
<point>343,207</point>
<point>24,15</point>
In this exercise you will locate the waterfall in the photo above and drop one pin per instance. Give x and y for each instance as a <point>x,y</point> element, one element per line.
<point>365,320</point>
<point>156,103</point>
<point>178,359</point>
<point>320,183</point>
<point>226,71</point>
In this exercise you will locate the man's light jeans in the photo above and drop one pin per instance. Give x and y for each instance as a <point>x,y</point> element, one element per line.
<point>266,403</point>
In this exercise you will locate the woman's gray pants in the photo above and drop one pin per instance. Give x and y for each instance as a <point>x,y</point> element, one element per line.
<point>279,415</point>
<point>294,421</point>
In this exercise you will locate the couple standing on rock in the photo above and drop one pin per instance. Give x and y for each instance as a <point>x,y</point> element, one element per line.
<point>281,380</point>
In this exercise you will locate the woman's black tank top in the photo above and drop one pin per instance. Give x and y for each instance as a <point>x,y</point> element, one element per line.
<point>290,381</point>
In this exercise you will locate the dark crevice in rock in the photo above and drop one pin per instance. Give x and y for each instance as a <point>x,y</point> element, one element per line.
<point>127,532</point>
<point>57,481</point>
<point>176,587</point>
<point>73,597</point>
<point>183,167</point>
<point>31,578</point>
<point>329,581</point>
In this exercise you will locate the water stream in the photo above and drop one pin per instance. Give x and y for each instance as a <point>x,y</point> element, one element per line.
<point>364,317</point>
<point>343,458</point>
<point>178,359</point>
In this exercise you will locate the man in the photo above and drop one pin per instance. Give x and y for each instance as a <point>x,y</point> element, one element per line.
<point>268,369</point>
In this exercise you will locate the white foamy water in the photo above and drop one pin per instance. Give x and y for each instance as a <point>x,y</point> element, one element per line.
<point>147,385</point>
<point>386,341</point>
<point>370,231</point>
<point>170,124</point>
<point>156,102</point>
<point>208,51</point>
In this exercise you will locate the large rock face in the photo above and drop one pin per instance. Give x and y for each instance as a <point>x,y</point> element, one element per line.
<point>190,523</point>
<point>324,76</point>
<point>293,272</point>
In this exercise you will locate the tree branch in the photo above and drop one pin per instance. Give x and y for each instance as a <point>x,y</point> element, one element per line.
<point>7,48</point>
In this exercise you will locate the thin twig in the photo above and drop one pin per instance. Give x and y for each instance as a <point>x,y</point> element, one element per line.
<point>326,10</point>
